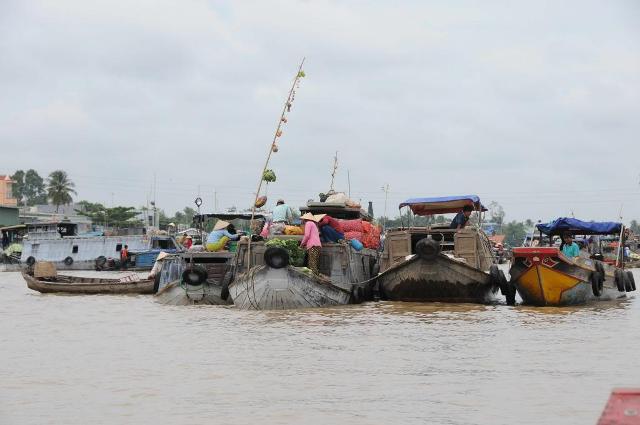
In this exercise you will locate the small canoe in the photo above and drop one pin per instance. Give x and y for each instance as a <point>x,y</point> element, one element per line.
<point>89,285</point>
<point>267,288</point>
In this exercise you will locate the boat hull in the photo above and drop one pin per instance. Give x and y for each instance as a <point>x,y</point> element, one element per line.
<point>544,277</point>
<point>266,288</point>
<point>441,279</point>
<point>89,286</point>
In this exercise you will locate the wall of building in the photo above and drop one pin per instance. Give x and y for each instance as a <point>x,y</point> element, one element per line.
<point>6,196</point>
<point>8,216</point>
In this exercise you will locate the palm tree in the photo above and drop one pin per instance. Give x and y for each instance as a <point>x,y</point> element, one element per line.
<point>60,188</point>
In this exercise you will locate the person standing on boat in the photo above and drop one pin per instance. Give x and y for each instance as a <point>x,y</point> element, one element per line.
<point>219,237</point>
<point>462,218</point>
<point>568,247</point>
<point>124,257</point>
<point>311,241</point>
<point>281,216</point>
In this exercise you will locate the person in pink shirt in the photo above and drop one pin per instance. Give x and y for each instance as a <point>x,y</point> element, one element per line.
<point>311,240</point>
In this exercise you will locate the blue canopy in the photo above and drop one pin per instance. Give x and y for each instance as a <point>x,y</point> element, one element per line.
<point>442,205</point>
<point>575,226</point>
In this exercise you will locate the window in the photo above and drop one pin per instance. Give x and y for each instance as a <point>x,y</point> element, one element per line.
<point>163,244</point>
<point>119,247</point>
<point>74,250</point>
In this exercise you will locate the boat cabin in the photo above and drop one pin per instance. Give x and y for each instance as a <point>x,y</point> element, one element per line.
<point>597,240</point>
<point>470,243</point>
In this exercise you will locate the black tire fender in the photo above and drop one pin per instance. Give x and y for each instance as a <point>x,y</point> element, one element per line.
<point>494,277</point>
<point>619,280</point>
<point>427,249</point>
<point>276,257</point>
<point>630,281</point>
<point>195,275</point>
<point>31,261</point>
<point>596,283</point>
<point>101,261</point>
<point>600,269</point>
<point>68,261</point>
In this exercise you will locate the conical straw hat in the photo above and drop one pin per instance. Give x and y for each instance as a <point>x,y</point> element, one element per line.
<point>221,224</point>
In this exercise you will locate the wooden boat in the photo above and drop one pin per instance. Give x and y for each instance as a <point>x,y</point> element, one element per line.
<point>199,277</point>
<point>268,282</point>
<point>195,278</point>
<point>436,263</point>
<point>88,285</point>
<point>264,287</point>
<point>544,276</point>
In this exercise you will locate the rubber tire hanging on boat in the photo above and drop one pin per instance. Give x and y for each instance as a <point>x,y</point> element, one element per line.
<point>68,261</point>
<point>619,280</point>
<point>494,278</point>
<point>101,261</point>
<point>600,269</point>
<point>31,261</point>
<point>276,257</point>
<point>427,249</point>
<point>630,281</point>
<point>195,275</point>
<point>596,283</point>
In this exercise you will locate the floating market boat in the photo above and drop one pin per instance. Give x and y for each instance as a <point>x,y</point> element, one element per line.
<point>268,280</point>
<point>544,276</point>
<point>437,263</point>
<point>59,242</point>
<point>197,276</point>
<point>51,282</point>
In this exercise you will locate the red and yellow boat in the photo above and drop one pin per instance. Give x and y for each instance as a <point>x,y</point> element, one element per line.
<point>544,276</point>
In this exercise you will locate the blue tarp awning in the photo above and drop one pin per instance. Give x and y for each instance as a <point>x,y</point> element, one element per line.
<point>575,226</point>
<point>442,205</point>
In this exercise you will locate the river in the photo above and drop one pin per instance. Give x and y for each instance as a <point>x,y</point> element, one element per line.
<point>129,360</point>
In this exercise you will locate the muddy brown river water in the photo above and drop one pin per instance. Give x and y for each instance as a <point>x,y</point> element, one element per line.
<point>129,360</point>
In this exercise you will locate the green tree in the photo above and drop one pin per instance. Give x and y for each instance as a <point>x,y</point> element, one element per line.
<point>496,214</point>
<point>116,216</point>
<point>34,188</point>
<point>514,233</point>
<point>188,215</point>
<point>634,226</point>
<point>60,188</point>
<point>18,187</point>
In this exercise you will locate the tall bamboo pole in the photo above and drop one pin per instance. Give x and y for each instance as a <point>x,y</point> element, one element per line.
<point>285,109</point>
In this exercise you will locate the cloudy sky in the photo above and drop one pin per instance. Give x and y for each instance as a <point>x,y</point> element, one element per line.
<point>535,105</point>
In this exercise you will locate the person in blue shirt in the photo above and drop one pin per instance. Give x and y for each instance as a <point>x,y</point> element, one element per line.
<point>219,237</point>
<point>461,219</point>
<point>569,248</point>
<point>281,216</point>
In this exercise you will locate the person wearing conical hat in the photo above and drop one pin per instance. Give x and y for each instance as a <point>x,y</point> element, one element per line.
<point>219,237</point>
<point>311,241</point>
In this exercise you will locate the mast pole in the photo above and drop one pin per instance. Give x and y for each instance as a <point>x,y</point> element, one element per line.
<point>286,108</point>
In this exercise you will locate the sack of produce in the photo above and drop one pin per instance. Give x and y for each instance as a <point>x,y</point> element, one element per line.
<point>351,226</point>
<point>293,230</point>
<point>353,235</point>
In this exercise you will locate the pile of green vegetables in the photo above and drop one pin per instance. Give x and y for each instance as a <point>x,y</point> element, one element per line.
<point>296,254</point>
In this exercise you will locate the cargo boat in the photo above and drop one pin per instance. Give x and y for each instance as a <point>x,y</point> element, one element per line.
<point>438,263</point>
